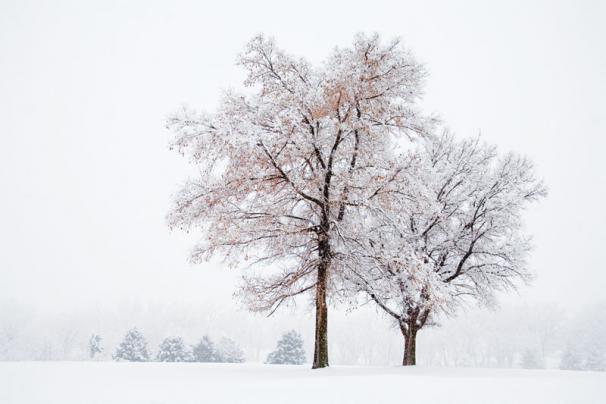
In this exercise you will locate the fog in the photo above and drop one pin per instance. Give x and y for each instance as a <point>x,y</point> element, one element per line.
<point>86,176</point>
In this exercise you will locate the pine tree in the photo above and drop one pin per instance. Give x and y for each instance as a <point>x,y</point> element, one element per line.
<point>94,346</point>
<point>172,350</point>
<point>229,351</point>
<point>289,350</point>
<point>205,351</point>
<point>133,347</point>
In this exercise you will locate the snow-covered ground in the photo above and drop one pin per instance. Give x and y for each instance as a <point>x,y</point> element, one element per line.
<point>155,383</point>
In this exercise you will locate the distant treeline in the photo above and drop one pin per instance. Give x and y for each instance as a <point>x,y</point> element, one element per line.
<point>134,348</point>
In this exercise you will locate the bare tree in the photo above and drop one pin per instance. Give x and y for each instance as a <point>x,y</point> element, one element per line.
<point>282,167</point>
<point>451,229</point>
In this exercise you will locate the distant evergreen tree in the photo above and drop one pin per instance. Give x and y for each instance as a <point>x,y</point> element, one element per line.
<point>229,351</point>
<point>571,358</point>
<point>289,350</point>
<point>133,347</point>
<point>172,350</point>
<point>94,346</point>
<point>595,359</point>
<point>205,351</point>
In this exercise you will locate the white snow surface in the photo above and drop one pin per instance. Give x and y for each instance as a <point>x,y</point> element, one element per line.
<point>159,383</point>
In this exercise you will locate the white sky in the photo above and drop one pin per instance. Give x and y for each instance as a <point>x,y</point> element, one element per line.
<point>86,175</point>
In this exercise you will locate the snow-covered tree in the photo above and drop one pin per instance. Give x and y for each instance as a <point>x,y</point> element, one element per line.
<point>205,351</point>
<point>133,347</point>
<point>94,346</point>
<point>229,351</point>
<point>583,355</point>
<point>447,227</point>
<point>172,350</point>
<point>571,359</point>
<point>595,358</point>
<point>283,166</point>
<point>586,342</point>
<point>289,350</point>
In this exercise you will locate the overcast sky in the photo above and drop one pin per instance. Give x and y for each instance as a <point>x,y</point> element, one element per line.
<point>85,87</point>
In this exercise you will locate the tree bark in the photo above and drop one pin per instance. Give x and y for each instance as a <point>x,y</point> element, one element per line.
<point>321,338</point>
<point>321,342</point>
<point>409,332</point>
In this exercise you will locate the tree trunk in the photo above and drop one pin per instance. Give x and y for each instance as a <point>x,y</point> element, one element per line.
<point>409,331</point>
<point>321,341</point>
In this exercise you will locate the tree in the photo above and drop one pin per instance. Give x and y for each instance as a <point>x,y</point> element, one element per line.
<point>595,357</point>
<point>571,358</point>
<point>94,346</point>
<point>205,351</point>
<point>289,350</point>
<point>133,347</point>
<point>283,167</point>
<point>229,351</point>
<point>172,350</point>
<point>450,230</point>
<point>586,343</point>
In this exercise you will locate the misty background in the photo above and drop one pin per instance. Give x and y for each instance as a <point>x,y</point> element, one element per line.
<point>86,176</point>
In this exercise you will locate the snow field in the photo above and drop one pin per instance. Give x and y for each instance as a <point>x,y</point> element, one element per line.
<point>171,383</point>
